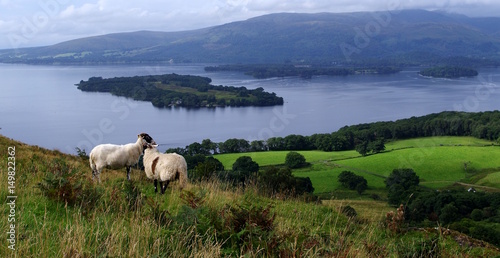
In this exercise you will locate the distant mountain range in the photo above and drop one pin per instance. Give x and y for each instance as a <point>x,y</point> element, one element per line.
<point>406,37</point>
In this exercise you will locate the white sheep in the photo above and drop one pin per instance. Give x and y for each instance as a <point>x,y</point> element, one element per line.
<point>118,156</point>
<point>165,167</point>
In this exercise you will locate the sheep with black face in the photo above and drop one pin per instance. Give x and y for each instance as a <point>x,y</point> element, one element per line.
<point>118,156</point>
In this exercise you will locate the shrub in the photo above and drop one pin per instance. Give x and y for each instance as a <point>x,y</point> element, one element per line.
<point>251,226</point>
<point>405,177</point>
<point>394,221</point>
<point>303,185</point>
<point>193,160</point>
<point>295,160</point>
<point>243,169</point>
<point>449,213</point>
<point>352,181</point>
<point>362,148</point>
<point>61,182</point>
<point>65,183</point>
<point>207,169</point>
<point>487,233</point>
<point>401,183</point>
<point>82,154</point>
<point>280,180</point>
<point>246,165</point>
<point>477,215</point>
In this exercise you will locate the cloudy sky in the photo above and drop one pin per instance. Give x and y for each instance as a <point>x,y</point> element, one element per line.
<point>26,23</point>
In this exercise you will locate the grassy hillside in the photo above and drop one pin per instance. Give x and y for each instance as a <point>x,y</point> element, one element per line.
<point>438,161</point>
<point>60,212</point>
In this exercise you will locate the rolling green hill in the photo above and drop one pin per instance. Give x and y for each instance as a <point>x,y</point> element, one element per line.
<point>406,37</point>
<point>438,161</point>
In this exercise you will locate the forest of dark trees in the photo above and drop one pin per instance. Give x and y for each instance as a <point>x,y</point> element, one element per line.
<point>303,71</point>
<point>465,210</point>
<point>482,125</point>
<point>448,72</point>
<point>180,90</point>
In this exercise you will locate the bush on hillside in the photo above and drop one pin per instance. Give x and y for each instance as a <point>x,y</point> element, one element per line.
<point>352,181</point>
<point>280,180</point>
<point>295,160</point>
<point>65,183</point>
<point>401,183</point>
<point>207,169</point>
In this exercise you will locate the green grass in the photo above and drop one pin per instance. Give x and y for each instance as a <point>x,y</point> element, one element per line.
<point>267,158</point>
<point>438,161</point>
<point>490,180</point>
<point>219,94</point>
<point>46,227</point>
<point>437,141</point>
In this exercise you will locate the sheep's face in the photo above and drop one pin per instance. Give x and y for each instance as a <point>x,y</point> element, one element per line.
<point>151,146</point>
<point>146,140</point>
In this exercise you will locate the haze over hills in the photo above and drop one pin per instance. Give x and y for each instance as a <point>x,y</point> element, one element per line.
<point>403,37</point>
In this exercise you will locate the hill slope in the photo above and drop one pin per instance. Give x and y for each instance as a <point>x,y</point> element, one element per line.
<point>408,36</point>
<point>438,161</point>
<point>78,218</point>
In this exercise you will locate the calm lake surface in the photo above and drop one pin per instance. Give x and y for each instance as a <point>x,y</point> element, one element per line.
<point>40,105</point>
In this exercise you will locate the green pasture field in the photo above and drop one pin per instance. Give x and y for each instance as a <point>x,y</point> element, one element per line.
<point>437,141</point>
<point>267,158</point>
<point>491,180</point>
<point>438,161</point>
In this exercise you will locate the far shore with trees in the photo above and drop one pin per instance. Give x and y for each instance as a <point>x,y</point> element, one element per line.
<point>450,72</point>
<point>367,139</point>
<point>306,71</point>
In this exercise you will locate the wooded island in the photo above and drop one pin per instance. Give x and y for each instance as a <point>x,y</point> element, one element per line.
<point>170,90</point>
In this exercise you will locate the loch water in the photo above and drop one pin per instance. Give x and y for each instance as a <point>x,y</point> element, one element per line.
<point>40,105</point>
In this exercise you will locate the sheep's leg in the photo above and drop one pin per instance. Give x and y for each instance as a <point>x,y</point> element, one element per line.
<point>96,173</point>
<point>155,183</point>
<point>164,187</point>
<point>128,173</point>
